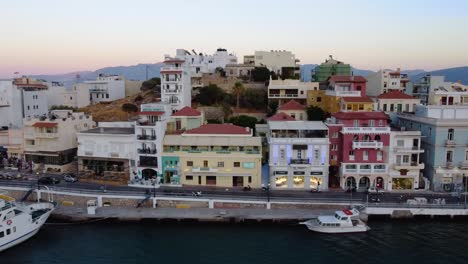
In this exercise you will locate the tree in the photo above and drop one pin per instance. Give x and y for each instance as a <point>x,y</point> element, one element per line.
<point>129,108</point>
<point>272,108</point>
<point>315,113</point>
<point>260,74</point>
<point>238,89</point>
<point>244,121</point>
<point>210,95</point>
<point>255,98</point>
<point>151,84</point>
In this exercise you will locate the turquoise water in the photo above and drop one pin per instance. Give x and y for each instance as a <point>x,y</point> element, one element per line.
<point>396,242</point>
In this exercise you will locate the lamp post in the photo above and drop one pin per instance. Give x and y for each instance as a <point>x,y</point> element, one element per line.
<point>466,184</point>
<point>268,192</point>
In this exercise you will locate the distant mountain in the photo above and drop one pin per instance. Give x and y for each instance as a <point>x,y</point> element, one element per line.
<point>451,74</point>
<point>133,72</point>
<point>359,72</point>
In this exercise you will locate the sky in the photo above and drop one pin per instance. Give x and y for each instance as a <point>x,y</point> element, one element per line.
<point>56,36</point>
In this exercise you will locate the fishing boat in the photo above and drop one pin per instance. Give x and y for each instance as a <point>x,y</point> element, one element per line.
<point>19,222</point>
<point>344,221</point>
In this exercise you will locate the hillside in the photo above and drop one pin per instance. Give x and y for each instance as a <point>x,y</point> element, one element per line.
<point>451,74</point>
<point>113,111</point>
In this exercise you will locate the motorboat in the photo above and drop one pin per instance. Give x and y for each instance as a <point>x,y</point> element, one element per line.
<point>19,222</point>
<point>344,221</point>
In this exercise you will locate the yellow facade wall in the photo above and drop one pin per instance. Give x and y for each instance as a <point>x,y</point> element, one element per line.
<point>358,107</point>
<point>316,98</point>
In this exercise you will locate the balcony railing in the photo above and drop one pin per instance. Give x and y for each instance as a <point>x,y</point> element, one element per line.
<point>343,93</point>
<point>408,149</point>
<point>363,130</point>
<point>146,137</point>
<point>171,68</point>
<point>372,169</point>
<point>46,135</point>
<point>147,151</point>
<point>408,165</point>
<point>450,142</point>
<point>204,169</point>
<point>299,161</point>
<point>284,95</point>
<point>374,144</point>
<point>449,165</point>
<point>148,164</point>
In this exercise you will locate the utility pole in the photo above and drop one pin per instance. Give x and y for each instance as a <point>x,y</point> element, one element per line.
<point>466,183</point>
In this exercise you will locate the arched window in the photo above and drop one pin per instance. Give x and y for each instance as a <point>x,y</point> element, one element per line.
<point>355,138</point>
<point>377,137</point>
<point>367,138</point>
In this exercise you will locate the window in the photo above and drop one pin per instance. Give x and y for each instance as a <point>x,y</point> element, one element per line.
<point>379,155</point>
<point>189,178</point>
<point>333,157</point>
<point>365,155</point>
<point>319,99</point>
<point>2,234</point>
<point>361,107</point>
<point>405,159</point>
<point>356,123</point>
<point>334,147</point>
<point>210,180</point>
<point>349,107</point>
<point>407,107</point>
<point>316,154</point>
<point>359,88</point>
<point>351,155</point>
<point>236,164</point>
<point>8,231</point>
<point>205,163</point>
<point>335,134</point>
<point>189,163</point>
<point>371,123</point>
<point>250,179</point>
<point>380,122</point>
<point>248,165</point>
<point>385,107</point>
<point>28,107</point>
<point>107,95</point>
<point>430,131</point>
<point>220,164</point>
<point>392,108</point>
<point>282,154</point>
<point>450,133</point>
<point>400,143</point>
<point>466,155</point>
<point>449,156</point>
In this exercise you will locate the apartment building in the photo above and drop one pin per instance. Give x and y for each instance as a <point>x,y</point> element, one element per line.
<point>385,81</point>
<point>50,143</point>
<point>107,88</point>
<point>282,91</point>
<point>340,86</point>
<point>294,109</point>
<point>274,60</point>
<point>330,68</point>
<point>221,155</point>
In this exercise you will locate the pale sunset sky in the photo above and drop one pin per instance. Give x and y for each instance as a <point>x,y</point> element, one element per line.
<point>60,36</point>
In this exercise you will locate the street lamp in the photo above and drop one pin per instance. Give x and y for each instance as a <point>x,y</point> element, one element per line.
<point>268,192</point>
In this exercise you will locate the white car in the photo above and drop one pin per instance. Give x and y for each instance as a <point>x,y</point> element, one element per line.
<point>374,190</point>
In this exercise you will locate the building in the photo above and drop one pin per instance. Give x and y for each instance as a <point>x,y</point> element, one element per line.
<point>298,154</point>
<point>455,94</point>
<point>359,144</point>
<point>404,164</point>
<point>385,81</point>
<point>356,104</point>
<point>274,60</point>
<point>176,87</point>
<point>239,70</point>
<point>200,63</point>
<point>396,102</point>
<point>294,109</point>
<point>444,139</point>
<point>221,155</point>
<point>107,154</point>
<point>50,143</point>
<point>282,91</point>
<point>107,88</point>
<point>22,98</point>
<point>330,68</point>
<point>343,86</point>
<point>11,142</point>
<point>185,119</point>
<point>427,85</point>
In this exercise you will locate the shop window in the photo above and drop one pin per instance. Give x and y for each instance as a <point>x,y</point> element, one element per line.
<point>281,181</point>
<point>189,163</point>
<point>236,164</point>
<point>189,178</point>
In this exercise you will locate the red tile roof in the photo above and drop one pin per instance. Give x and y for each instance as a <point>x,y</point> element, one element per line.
<point>187,111</point>
<point>281,117</point>
<point>171,71</point>
<point>360,99</point>
<point>343,78</point>
<point>227,129</point>
<point>45,124</point>
<point>153,113</point>
<point>360,115</point>
<point>292,105</point>
<point>35,85</point>
<point>394,94</point>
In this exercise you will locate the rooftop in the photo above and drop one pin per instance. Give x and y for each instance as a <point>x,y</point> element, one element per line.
<point>187,111</point>
<point>281,117</point>
<point>179,140</point>
<point>360,115</point>
<point>361,99</point>
<point>111,130</point>
<point>395,95</point>
<point>347,79</point>
<point>297,125</point>
<point>292,105</point>
<point>219,129</point>
<point>44,124</point>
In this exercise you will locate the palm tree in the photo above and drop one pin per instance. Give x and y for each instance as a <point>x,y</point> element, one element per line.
<point>238,89</point>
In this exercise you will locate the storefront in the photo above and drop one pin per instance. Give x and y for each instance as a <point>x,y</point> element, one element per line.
<point>402,183</point>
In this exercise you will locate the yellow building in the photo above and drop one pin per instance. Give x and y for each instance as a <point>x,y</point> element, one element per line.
<point>356,104</point>
<point>316,98</point>
<point>221,155</point>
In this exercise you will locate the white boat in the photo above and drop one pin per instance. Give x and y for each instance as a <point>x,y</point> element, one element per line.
<point>20,222</point>
<point>344,221</point>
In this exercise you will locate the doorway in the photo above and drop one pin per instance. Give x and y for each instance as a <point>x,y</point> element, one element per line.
<point>238,181</point>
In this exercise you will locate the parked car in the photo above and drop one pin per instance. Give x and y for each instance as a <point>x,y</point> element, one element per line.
<point>70,177</point>
<point>48,180</point>
<point>374,190</point>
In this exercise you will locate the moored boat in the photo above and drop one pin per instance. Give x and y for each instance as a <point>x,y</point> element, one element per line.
<point>344,221</point>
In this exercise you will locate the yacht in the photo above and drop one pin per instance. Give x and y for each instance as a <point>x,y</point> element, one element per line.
<point>344,221</point>
<point>20,222</point>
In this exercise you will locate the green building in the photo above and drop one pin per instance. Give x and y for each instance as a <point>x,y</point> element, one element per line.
<point>329,68</point>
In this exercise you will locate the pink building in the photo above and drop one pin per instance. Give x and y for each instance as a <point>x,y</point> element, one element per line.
<point>348,86</point>
<point>359,144</point>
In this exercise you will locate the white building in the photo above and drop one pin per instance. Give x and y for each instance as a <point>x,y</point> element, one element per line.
<point>150,130</point>
<point>274,60</point>
<point>176,88</point>
<point>107,153</point>
<point>22,98</point>
<point>386,80</point>
<point>50,143</point>
<point>283,91</point>
<point>404,160</point>
<point>298,154</point>
<point>203,63</point>
<point>108,88</point>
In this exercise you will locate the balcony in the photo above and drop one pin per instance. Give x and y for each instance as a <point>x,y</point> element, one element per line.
<point>146,123</point>
<point>449,165</point>
<point>284,95</point>
<point>300,161</point>
<point>149,164</point>
<point>172,91</point>
<point>450,143</point>
<point>146,151</point>
<point>409,166</point>
<point>167,68</point>
<point>98,90</point>
<point>46,135</point>
<point>204,169</point>
<point>366,130</point>
<point>343,93</point>
<point>408,150</point>
<point>373,144</point>
<point>146,137</point>
<point>172,80</point>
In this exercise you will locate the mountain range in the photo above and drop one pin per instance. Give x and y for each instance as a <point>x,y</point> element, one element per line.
<point>142,71</point>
